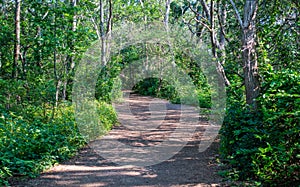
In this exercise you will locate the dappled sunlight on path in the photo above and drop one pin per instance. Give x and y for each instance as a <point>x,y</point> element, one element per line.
<point>186,167</point>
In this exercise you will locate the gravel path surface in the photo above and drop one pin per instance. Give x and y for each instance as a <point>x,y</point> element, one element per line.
<point>186,167</point>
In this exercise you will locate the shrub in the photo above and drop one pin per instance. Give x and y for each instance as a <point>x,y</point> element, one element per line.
<point>264,145</point>
<point>30,144</point>
<point>162,89</point>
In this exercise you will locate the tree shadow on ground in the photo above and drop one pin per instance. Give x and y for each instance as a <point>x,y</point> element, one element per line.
<point>188,166</point>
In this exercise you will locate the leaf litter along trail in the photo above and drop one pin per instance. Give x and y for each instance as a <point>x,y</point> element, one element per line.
<point>188,167</point>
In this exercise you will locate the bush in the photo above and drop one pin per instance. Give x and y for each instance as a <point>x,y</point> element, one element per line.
<point>156,87</point>
<point>30,144</point>
<point>162,89</point>
<point>264,145</point>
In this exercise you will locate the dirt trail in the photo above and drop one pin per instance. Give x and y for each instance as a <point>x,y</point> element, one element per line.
<point>188,167</point>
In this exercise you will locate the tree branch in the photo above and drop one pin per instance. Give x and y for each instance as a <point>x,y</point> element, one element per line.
<point>237,14</point>
<point>205,7</point>
<point>220,20</point>
<point>250,12</point>
<point>196,13</point>
<point>203,24</point>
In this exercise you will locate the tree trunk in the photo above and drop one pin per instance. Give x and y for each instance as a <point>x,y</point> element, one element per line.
<point>221,43</point>
<point>17,38</point>
<point>251,77</point>
<point>74,28</point>
<point>109,27</point>
<point>58,86</point>
<point>110,17</point>
<point>167,13</point>
<point>56,76</point>
<point>70,63</point>
<point>39,51</point>
<point>218,46</point>
<point>102,34</point>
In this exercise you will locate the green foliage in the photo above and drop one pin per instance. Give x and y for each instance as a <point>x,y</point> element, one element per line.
<point>30,144</point>
<point>157,88</point>
<point>264,145</point>
<point>162,89</point>
<point>137,11</point>
<point>95,119</point>
<point>35,133</point>
<point>108,87</point>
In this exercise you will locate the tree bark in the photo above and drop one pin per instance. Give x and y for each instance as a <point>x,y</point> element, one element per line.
<point>110,17</point>
<point>74,28</point>
<point>70,63</point>
<point>217,42</point>
<point>55,72</point>
<point>17,38</point>
<point>251,77</point>
<point>102,34</point>
<point>109,27</point>
<point>167,13</point>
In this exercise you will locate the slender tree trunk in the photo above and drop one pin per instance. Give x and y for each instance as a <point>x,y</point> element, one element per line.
<point>109,26</point>
<point>221,54</point>
<point>56,76</point>
<point>58,86</point>
<point>110,17</point>
<point>17,38</point>
<point>167,13</point>
<point>24,62</point>
<point>70,63</point>
<point>74,28</point>
<point>217,39</point>
<point>222,22</point>
<point>218,46</point>
<point>102,34</point>
<point>39,51</point>
<point>58,82</point>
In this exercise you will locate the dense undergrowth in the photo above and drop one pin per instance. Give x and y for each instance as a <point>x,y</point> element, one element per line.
<point>162,89</point>
<point>263,147</point>
<point>33,137</point>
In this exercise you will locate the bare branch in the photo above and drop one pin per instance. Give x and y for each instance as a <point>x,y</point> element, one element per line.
<point>205,7</point>
<point>189,26</point>
<point>203,24</point>
<point>193,10</point>
<point>96,27</point>
<point>222,24</point>
<point>197,13</point>
<point>142,4</point>
<point>45,15</point>
<point>237,14</point>
<point>250,12</point>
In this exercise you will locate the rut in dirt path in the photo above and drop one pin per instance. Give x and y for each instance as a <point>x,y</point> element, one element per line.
<point>187,167</point>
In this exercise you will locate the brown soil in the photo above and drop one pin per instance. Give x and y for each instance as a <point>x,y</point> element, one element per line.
<point>188,167</point>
